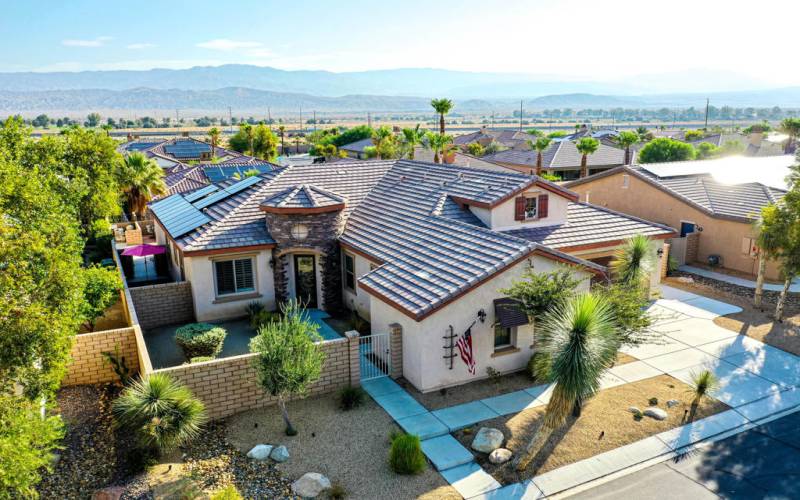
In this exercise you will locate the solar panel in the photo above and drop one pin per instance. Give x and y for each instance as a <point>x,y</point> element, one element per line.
<point>187,149</point>
<point>140,146</point>
<point>196,195</point>
<point>178,215</point>
<point>226,192</point>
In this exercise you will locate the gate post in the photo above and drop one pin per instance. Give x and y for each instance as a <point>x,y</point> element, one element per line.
<point>396,346</point>
<point>355,358</point>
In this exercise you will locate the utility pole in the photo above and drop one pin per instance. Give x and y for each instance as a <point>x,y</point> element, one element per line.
<point>369,119</point>
<point>706,125</point>
<point>230,120</point>
<point>520,115</point>
<point>269,119</point>
<point>492,118</point>
<point>315,120</point>
<point>300,125</point>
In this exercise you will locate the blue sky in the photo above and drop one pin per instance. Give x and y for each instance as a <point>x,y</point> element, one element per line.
<point>613,39</point>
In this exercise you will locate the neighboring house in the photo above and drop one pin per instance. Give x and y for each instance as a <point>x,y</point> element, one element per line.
<point>190,163</point>
<point>407,244</point>
<point>505,137</point>
<point>461,159</point>
<point>715,218</point>
<point>561,158</point>
<point>357,149</point>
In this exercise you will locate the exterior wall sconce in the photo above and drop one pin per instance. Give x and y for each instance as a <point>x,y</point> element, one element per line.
<point>660,252</point>
<point>482,316</point>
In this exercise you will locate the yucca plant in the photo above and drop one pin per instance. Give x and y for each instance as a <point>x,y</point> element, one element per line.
<point>633,261</point>
<point>162,413</point>
<point>703,384</point>
<point>580,338</point>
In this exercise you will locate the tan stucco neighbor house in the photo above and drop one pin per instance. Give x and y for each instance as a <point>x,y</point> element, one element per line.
<point>409,245</point>
<point>715,218</point>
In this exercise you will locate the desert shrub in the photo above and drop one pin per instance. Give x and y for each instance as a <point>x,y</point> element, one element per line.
<point>336,491</point>
<point>653,401</point>
<point>262,318</point>
<point>118,364</point>
<point>161,413</point>
<point>253,308</point>
<point>351,397</point>
<point>200,359</point>
<point>200,339</point>
<point>672,265</point>
<point>538,366</point>
<point>227,493</point>
<point>406,456</point>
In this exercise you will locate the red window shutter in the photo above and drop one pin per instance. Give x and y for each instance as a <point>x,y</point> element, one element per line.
<point>519,208</point>
<point>543,202</point>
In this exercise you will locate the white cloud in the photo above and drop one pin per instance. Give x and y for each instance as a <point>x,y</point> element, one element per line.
<point>97,42</point>
<point>226,44</point>
<point>140,46</point>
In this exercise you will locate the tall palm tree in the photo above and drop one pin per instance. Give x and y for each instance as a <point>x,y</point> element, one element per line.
<point>140,179</point>
<point>633,261</point>
<point>580,340</point>
<point>214,134</point>
<point>442,106</point>
<point>412,137</point>
<point>768,240</point>
<point>282,134</point>
<point>626,139</point>
<point>790,127</point>
<point>540,145</point>
<point>248,132</point>
<point>440,144</point>
<point>383,139</point>
<point>586,146</point>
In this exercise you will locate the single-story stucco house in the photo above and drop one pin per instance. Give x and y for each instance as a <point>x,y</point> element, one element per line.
<point>407,244</point>
<point>715,217</point>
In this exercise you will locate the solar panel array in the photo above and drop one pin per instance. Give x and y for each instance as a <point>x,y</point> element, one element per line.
<point>178,215</point>
<point>140,146</point>
<point>226,192</point>
<point>187,149</point>
<point>196,195</point>
<point>219,173</point>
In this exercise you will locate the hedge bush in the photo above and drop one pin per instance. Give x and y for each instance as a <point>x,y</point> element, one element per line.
<point>200,339</point>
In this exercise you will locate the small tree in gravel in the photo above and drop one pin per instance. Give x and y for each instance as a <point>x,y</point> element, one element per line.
<point>289,360</point>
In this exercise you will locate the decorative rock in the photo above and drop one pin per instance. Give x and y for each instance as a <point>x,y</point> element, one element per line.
<point>487,440</point>
<point>279,454</point>
<point>112,493</point>
<point>673,402</point>
<point>634,410</point>
<point>310,485</point>
<point>685,279</point>
<point>260,452</point>
<point>500,456</point>
<point>656,413</point>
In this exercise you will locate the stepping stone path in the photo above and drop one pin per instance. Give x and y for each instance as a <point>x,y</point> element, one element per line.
<point>487,440</point>
<point>656,413</point>
<point>310,485</point>
<point>500,456</point>
<point>279,454</point>
<point>260,452</point>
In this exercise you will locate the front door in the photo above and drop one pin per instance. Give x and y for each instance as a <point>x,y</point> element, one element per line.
<point>305,280</point>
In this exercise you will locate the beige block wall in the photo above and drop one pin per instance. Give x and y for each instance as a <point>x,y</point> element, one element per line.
<point>88,365</point>
<point>228,386</point>
<point>719,236</point>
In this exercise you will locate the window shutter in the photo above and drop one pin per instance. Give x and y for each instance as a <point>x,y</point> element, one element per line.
<point>543,202</point>
<point>244,275</point>
<point>519,208</point>
<point>225,280</point>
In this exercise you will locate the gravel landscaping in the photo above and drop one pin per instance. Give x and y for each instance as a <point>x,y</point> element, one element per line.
<point>351,448</point>
<point>606,423</point>
<point>473,391</point>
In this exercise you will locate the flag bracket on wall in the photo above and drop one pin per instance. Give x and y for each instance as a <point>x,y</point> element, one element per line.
<point>449,346</point>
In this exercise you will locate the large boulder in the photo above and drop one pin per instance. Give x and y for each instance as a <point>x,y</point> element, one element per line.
<point>487,440</point>
<point>500,456</point>
<point>260,452</point>
<point>111,493</point>
<point>279,454</point>
<point>310,485</point>
<point>656,413</point>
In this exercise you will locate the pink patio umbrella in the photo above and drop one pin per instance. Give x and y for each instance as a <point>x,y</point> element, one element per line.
<point>144,251</point>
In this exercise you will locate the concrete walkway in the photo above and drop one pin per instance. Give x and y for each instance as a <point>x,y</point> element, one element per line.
<point>756,381</point>
<point>794,287</point>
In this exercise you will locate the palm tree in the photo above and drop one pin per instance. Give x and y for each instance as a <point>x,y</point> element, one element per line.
<point>768,240</point>
<point>214,134</point>
<point>633,261</point>
<point>626,139</point>
<point>442,106</point>
<point>282,134</point>
<point>107,127</point>
<point>248,132</point>
<point>642,133</point>
<point>160,412</point>
<point>412,137</point>
<point>439,143</point>
<point>586,146</point>
<point>540,145</point>
<point>141,179</point>
<point>790,127</point>
<point>580,340</point>
<point>383,139</point>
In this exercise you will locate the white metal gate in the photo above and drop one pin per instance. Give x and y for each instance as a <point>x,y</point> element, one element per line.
<point>375,355</point>
<point>677,249</point>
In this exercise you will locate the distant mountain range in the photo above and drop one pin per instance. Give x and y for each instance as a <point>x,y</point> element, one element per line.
<point>253,88</point>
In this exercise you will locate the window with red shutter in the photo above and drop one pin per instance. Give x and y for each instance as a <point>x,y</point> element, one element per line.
<point>519,208</point>
<point>543,202</point>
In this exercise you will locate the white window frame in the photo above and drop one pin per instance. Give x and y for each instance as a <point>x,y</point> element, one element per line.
<point>345,256</point>
<point>535,204</point>
<point>253,268</point>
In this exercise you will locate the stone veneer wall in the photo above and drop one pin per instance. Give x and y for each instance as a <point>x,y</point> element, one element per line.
<point>88,365</point>
<point>324,230</point>
<point>164,304</point>
<point>665,260</point>
<point>229,385</point>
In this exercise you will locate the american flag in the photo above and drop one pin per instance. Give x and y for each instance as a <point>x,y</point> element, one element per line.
<point>464,345</point>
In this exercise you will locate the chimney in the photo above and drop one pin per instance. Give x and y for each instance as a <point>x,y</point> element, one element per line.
<point>756,138</point>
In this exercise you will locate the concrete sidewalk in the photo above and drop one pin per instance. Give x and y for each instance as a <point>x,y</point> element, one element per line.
<point>794,288</point>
